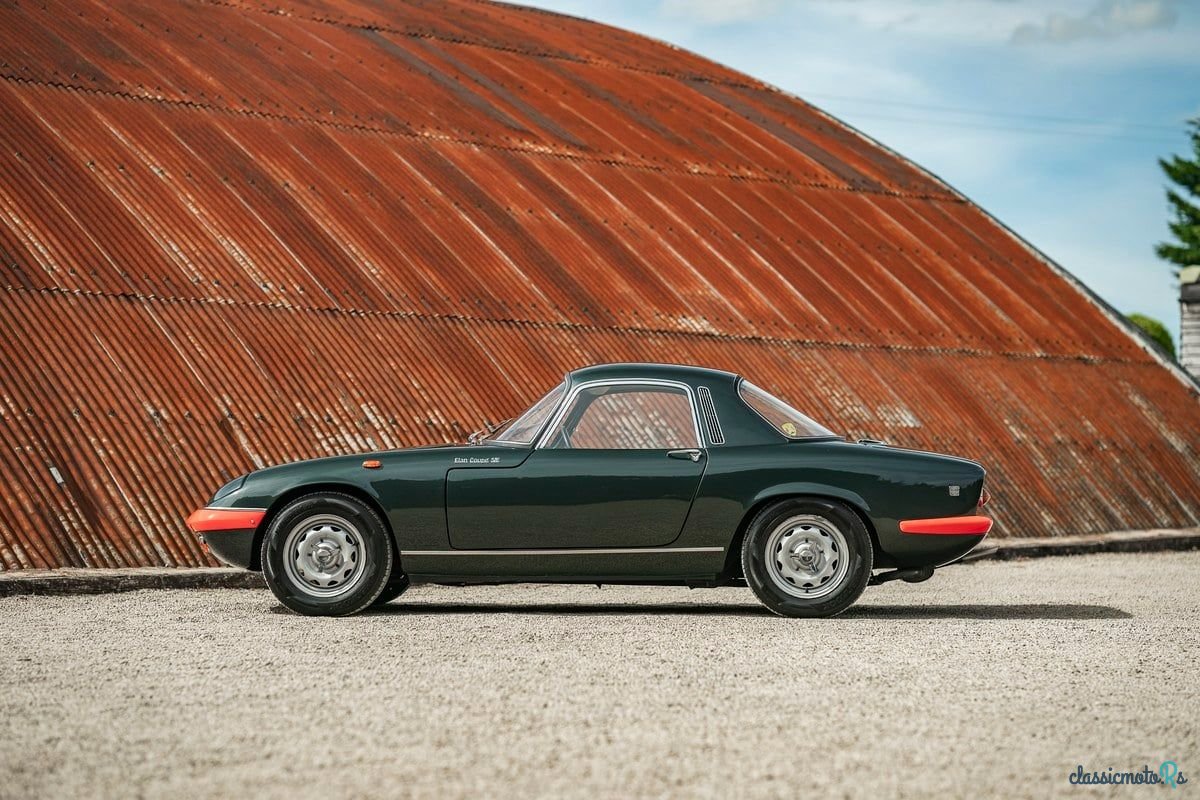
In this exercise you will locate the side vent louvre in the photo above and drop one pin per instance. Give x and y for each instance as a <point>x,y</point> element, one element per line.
<point>709,411</point>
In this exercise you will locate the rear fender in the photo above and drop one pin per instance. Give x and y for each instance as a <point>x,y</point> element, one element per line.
<point>793,489</point>
<point>784,491</point>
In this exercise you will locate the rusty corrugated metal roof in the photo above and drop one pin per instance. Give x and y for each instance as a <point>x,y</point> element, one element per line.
<point>238,233</point>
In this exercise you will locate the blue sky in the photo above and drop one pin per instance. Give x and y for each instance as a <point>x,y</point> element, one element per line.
<point>1050,115</point>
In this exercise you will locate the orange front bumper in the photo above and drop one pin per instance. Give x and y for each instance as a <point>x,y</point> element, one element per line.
<point>206,520</point>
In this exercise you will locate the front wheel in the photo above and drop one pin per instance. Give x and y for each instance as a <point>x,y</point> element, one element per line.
<point>327,554</point>
<point>807,557</point>
<point>396,586</point>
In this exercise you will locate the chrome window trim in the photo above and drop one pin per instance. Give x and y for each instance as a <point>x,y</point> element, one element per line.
<point>708,410</point>
<point>574,393</point>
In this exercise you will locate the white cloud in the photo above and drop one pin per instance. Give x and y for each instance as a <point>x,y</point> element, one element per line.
<point>960,21</point>
<point>815,75</point>
<point>1107,20</point>
<point>719,12</point>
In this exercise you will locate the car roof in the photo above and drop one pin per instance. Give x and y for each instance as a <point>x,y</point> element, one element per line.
<point>634,371</point>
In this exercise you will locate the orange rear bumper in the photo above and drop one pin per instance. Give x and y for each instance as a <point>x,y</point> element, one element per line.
<point>948,526</point>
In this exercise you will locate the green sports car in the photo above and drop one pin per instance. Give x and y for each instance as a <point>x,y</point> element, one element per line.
<point>623,473</point>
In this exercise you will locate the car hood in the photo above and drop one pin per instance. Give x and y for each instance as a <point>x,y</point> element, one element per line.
<point>449,455</point>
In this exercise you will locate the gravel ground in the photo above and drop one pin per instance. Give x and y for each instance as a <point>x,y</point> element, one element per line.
<point>991,679</point>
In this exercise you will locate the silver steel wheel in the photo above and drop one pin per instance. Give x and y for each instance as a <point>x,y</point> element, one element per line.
<point>807,556</point>
<point>323,556</point>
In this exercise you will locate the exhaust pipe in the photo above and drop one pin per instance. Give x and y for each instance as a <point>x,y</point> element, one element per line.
<point>913,575</point>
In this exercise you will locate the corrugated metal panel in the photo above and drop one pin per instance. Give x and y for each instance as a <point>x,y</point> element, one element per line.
<point>239,233</point>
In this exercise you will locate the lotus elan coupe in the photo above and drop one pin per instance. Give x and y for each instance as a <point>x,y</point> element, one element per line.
<point>622,474</point>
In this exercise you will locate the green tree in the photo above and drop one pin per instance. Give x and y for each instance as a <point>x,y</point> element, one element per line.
<point>1185,225</point>
<point>1157,332</point>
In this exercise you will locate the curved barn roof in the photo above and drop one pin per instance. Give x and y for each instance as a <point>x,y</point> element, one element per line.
<point>234,233</point>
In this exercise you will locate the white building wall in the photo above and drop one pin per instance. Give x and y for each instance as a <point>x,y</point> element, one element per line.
<point>1189,337</point>
<point>1189,322</point>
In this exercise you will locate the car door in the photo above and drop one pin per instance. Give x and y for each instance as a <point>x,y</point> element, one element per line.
<point>617,467</point>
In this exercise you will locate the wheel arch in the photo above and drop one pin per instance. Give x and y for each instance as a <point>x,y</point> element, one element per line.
<point>353,490</point>
<point>733,555</point>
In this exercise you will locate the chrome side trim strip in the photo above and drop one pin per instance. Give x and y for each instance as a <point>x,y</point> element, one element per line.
<point>616,551</point>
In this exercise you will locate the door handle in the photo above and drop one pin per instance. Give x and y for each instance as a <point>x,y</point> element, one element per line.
<point>694,455</point>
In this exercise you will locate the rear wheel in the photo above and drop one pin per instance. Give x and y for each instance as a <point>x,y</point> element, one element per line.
<point>807,557</point>
<point>327,554</point>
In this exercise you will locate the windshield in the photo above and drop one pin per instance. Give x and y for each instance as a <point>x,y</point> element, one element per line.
<point>785,419</point>
<point>525,427</point>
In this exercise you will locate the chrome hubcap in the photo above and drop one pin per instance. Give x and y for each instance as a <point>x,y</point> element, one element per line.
<point>323,556</point>
<point>806,556</point>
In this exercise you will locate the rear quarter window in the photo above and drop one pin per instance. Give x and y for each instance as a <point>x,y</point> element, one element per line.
<point>782,417</point>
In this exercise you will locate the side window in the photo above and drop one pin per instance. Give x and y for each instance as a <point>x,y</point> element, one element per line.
<point>627,417</point>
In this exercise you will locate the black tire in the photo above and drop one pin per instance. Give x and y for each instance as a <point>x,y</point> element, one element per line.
<point>767,581</point>
<point>348,521</point>
<point>396,586</point>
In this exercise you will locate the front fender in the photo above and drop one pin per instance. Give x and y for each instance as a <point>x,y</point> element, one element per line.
<point>233,522</point>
